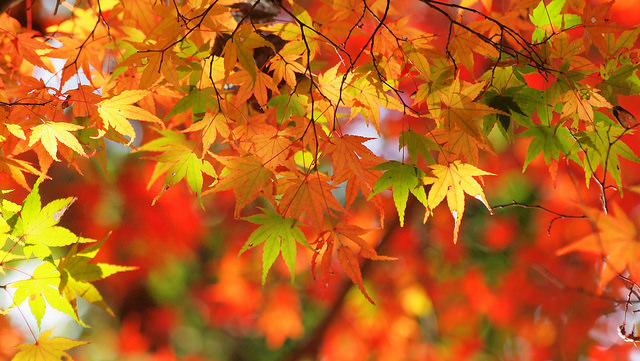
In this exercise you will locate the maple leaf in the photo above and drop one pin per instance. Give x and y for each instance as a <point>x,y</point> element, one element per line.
<point>551,141</point>
<point>273,148</point>
<point>239,49</point>
<point>460,110</point>
<point>603,147</point>
<point>417,143</point>
<point>79,55</point>
<point>16,168</point>
<point>402,178</point>
<point>343,237</point>
<point>47,348</point>
<point>546,16</point>
<point>369,97</point>
<point>199,100</point>
<point>621,80</point>
<point>50,133</point>
<point>461,145</point>
<point>37,225</point>
<point>352,161</point>
<point>580,103</point>
<point>43,285</point>
<point>417,59</point>
<point>247,177</point>
<point>287,105</point>
<point>279,235</point>
<point>464,44</point>
<point>177,161</point>
<point>77,273</point>
<point>285,67</point>
<point>616,239</point>
<point>596,24</point>
<point>452,181</point>
<point>256,86</point>
<point>329,84</point>
<point>212,126</point>
<point>308,194</point>
<point>349,155</point>
<point>116,111</point>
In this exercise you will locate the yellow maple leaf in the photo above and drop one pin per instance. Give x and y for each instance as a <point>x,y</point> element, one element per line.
<point>50,133</point>
<point>452,181</point>
<point>116,111</point>
<point>47,349</point>
<point>212,126</point>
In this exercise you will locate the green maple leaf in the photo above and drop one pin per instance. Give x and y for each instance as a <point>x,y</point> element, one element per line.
<point>505,103</point>
<point>403,179</point>
<point>603,147</point>
<point>417,143</point>
<point>76,273</point>
<point>279,235</point>
<point>551,14</point>
<point>287,105</point>
<point>199,100</point>
<point>551,141</point>
<point>622,80</point>
<point>37,225</point>
<point>177,161</point>
<point>47,349</point>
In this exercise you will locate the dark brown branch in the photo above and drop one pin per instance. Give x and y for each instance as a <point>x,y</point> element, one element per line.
<point>527,49</point>
<point>10,104</point>
<point>557,215</point>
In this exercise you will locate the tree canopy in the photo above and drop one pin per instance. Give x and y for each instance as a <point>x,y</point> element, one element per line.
<point>320,179</point>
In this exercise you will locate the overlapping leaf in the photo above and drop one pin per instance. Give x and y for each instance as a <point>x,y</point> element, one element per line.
<point>76,275</point>
<point>461,110</point>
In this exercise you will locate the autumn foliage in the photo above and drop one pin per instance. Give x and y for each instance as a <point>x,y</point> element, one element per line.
<point>330,179</point>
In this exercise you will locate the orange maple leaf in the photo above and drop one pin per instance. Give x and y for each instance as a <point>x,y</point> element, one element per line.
<point>308,194</point>
<point>247,177</point>
<point>347,239</point>
<point>580,103</point>
<point>616,239</point>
